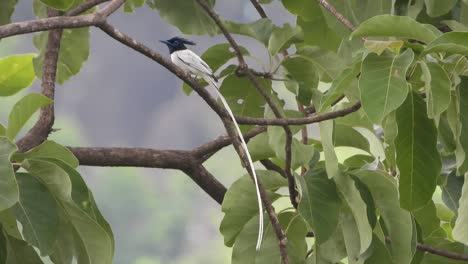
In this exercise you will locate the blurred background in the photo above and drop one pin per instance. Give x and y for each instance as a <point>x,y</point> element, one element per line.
<point>123,99</point>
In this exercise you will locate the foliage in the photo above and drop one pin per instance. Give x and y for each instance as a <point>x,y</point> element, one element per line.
<point>409,139</point>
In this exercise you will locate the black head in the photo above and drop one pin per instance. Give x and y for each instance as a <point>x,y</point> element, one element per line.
<point>177,43</point>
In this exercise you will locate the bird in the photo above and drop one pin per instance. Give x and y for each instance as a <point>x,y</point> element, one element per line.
<point>192,64</point>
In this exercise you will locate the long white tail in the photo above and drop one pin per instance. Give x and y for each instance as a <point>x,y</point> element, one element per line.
<point>244,145</point>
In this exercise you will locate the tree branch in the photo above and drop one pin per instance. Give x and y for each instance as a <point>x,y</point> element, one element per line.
<point>84,7</point>
<point>337,14</point>
<point>259,8</point>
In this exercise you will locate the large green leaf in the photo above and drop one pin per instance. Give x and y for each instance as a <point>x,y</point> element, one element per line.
<point>437,85</point>
<point>451,191</point>
<point>240,203</point>
<point>8,186</point>
<point>217,55</point>
<point>357,208</point>
<point>59,4</point>
<point>243,97</point>
<point>37,212</point>
<point>398,222</point>
<point>320,204</point>
<point>6,10</point>
<point>328,63</point>
<point>18,251</point>
<point>428,222</point>
<point>435,8</point>
<point>332,251</point>
<point>186,15</point>
<point>49,149</point>
<point>259,30</point>
<point>383,83</point>
<point>380,253</point>
<point>23,110</point>
<point>282,38</point>
<point>16,73</point>
<point>460,231</point>
<point>451,43</point>
<point>64,248</point>
<point>303,71</point>
<point>295,229</point>
<point>417,156</point>
<point>331,161</point>
<point>74,51</point>
<point>462,134</point>
<point>395,26</point>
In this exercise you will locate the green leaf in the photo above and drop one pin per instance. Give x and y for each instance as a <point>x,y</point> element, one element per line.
<point>37,212</point>
<point>460,230</point>
<point>240,203</point>
<point>347,136</point>
<point>332,251</point>
<point>16,73</point>
<point>379,46</point>
<point>49,149</point>
<point>437,84</point>
<point>64,247</point>
<point>23,110</point>
<point>7,7</point>
<point>259,148</point>
<point>186,15</point>
<point>243,97</point>
<point>398,222</point>
<point>131,5</point>
<point>451,43</point>
<point>351,196</point>
<point>462,134</point>
<point>8,186</point>
<point>435,8</point>
<point>295,229</point>
<point>282,38</point>
<point>380,253</point>
<point>338,86</point>
<point>51,175</point>
<point>320,204</point>
<point>259,30</point>
<point>395,26</point>
<point>2,130</point>
<point>18,251</point>
<point>317,33</point>
<point>383,83</point>
<point>74,51</point>
<point>217,55</point>
<point>417,156</point>
<point>451,191</point>
<point>328,63</point>
<point>59,4</point>
<point>331,161</point>
<point>305,74</point>
<point>428,221</point>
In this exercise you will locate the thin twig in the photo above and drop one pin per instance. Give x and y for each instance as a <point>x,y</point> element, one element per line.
<point>259,8</point>
<point>337,14</point>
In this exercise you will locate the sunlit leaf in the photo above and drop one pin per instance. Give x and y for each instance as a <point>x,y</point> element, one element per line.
<point>8,185</point>
<point>417,157</point>
<point>16,73</point>
<point>383,83</point>
<point>23,110</point>
<point>37,212</point>
<point>379,46</point>
<point>395,26</point>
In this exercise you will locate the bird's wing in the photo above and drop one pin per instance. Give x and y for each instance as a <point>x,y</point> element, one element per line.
<point>190,59</point>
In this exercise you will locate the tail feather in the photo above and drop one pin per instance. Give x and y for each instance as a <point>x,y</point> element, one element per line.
<point>212,80</point>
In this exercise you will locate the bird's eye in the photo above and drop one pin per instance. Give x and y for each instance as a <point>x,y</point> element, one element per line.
<point>176,43</point>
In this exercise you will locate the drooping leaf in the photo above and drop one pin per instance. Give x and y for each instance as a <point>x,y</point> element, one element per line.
<point>260,29</point>
<point>16,73</point>
<point>217,55</point>
<point>6,10</point>
<point>59,4</point>
<point>437,85</point>
<point>295,229</point>
<point>8,184</point>
<point>398,222</point>
<point>436,8</point>
<point>240,203</point>
<point>37,212</point>
<point>417,157</point>
<point>186,15</point>
<point>131,5</point>
<point>305,74</point>
<point>320,204</point>
<point>383,83</point>
<point>282,38</point>
<point>460,230</point>
<point>23,110</point>
<point>18,251</point>
<point>395,26</point>
<point>451,191</point>
<point>74,51</point>
<point>49,149</point>
<point>451,43</point>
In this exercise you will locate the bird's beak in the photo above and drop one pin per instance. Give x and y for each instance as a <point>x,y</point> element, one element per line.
<point>164,41</point>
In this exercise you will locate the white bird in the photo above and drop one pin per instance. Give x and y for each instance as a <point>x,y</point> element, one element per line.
<point>191,63</point>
